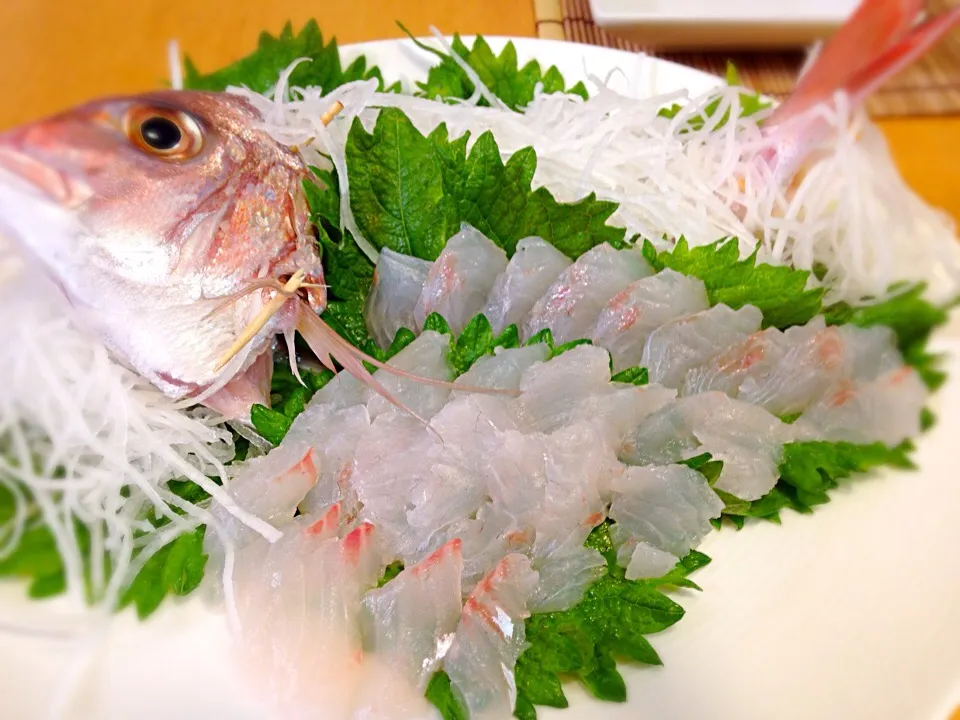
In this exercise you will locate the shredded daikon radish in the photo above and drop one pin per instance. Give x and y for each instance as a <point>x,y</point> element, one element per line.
<point>851,211</point>
<point>94,445</point>
<point>173,63</point>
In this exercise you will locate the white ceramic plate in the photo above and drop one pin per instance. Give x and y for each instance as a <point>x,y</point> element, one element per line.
<point>851,613</point>
<point>696,24</point>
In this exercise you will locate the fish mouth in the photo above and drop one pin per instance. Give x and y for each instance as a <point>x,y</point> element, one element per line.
<point>56,185</point>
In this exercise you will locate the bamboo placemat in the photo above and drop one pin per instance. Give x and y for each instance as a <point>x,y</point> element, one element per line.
<point>931,86</point>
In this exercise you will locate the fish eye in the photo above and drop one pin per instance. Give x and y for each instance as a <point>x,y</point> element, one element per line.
<point>163,133</point>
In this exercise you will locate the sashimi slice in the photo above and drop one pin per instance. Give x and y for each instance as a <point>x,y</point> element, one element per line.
<point>748,440</point>
<point>534,267</point>
<point>504,368</point>
<point>642,307</point>
<point>461,279</point>
<point>641,560</point>
<point>487,539</point>
<point>425,357</point>
<point>550,389</point>
<point>413,485</point>
<point>334,435</point>
<point>490,638</point>
<point>740,364</point>
<point>410,622</point>
<point>269,486</point>
<point>888,410</point>
<point>673,349</point>
<point>565,568</point>
<point>571,306</point>
<point>809,360</point>
<point>665,507</point>
<point>397,285</point>
<point>298,602</point>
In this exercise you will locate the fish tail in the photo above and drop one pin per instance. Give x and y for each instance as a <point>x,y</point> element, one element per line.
<point>913,46</point>
<point>872,30</point>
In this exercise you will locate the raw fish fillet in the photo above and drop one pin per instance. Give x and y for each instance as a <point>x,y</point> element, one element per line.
<point>490,638</point>
<point>668,508</point>
<point>504,368</point>
<point>334,435</point>
<point>571,306</point>
<point>461,279</point>
<point>673,349</point>
<point>397,285</point>
<point>785,372</point>
<point>534,267</point>
<point>298,601</point>
<point>748,440</point>
<point>888,410</point>
<point>640,560</point>
<point>807,362</point>
<point>425,357</point>
<point>566,568</point>
<point>410,622</point>
<point>640,308</point>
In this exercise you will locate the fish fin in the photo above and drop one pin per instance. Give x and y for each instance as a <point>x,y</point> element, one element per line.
<point>289,337</point>
<point>251,287</point>
<point>328,346</point>
<point>873,28</point>
<point>916,43</point>
<point>246,389</point>
<point>410,376</point>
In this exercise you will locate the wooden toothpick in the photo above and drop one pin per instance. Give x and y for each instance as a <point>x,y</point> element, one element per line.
<point>263,317</point>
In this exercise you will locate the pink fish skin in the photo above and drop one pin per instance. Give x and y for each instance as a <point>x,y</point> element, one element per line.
<point>155,213</point>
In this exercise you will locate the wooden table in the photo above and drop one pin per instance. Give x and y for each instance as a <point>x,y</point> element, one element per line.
<point>55,53</point>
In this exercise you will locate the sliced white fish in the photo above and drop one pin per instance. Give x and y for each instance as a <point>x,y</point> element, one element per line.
<point>740,364</point>
<point>617,411</point>
<point>270,486</point>
<point>397,285</point>
<point>643,306</point>
<point>504,368</point>
<point>665,507</point>
<point>534,267</point>
<point>425,357</point>
<point>748,440</point>
<point>565,568</point>
<point>805,364</point>
<point>298,601</point>
<point>410,621</point>
<point>343,391</point>
<point>487,539</point>
<point>490,638</point>
<point>550,389</point>
<point>886,410</point>
<point>579,468</point>
<point>871,352</point>
<point>785,372</point>
<point>571,306</point>
<point>334,435</point>
<point>413,486</point>
<point>461,279</point>
<point>641,560</point>
<point>673,349</point>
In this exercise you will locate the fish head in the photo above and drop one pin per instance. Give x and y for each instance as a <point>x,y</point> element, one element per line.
<point>148,211</point>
